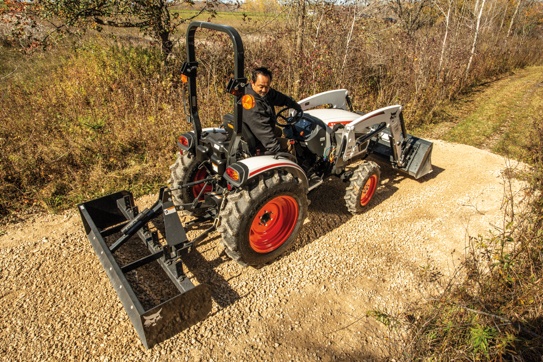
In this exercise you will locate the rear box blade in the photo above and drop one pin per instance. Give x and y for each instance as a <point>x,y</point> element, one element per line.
<point>102,218</point>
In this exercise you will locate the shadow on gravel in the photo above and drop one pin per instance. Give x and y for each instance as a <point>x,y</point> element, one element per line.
<point>327,209</point>
<point>205,272</point>
<point>327,212</point>
<point>396,176</point>
<point>152,286</point>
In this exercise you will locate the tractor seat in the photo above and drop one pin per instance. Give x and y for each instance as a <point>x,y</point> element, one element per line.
<point>251,142</point>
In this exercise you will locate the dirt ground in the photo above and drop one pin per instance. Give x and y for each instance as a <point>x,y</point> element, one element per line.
<point>323,300</point>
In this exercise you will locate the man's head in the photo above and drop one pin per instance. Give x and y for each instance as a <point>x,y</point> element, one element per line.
<point>261,80</point>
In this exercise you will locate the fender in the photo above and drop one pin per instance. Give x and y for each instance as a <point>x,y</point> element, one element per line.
<point>336,98</point>
<point>239,173</point>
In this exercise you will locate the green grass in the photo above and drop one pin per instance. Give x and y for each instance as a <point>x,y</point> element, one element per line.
<point>501,117</point>
<point>232,18</point>
<point>493,312</point>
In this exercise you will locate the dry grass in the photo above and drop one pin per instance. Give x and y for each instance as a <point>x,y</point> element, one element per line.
<point>78,124</point>
<point>492,310</point>
<point>92,117</point>
<point>96,115</point>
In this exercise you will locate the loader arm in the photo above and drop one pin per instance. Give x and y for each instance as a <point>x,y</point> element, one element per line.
<point>364,125</point>
<point>383,132</point>
<point>338,98</point>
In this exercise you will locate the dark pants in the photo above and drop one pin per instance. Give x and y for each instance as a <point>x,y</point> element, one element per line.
<point>283,142</point>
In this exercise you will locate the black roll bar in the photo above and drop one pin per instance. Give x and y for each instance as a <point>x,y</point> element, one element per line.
<point>192,64</point>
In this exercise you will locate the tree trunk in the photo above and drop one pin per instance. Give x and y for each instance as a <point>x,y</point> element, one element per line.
<point>445,36</point>
<point>299,49</point>
<point>475,37</point>
<point>162,29</point>
<point>349,37</point>
<point>513,19</point>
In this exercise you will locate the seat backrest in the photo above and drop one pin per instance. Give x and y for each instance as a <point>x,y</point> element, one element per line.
<point>249,142</point>
<point>252,142</point>
<point>228,124</point>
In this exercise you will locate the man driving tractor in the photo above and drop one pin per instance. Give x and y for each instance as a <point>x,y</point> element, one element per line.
<point>260,120</point>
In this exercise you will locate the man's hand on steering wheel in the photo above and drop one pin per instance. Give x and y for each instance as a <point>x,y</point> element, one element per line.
<point>283,120</point>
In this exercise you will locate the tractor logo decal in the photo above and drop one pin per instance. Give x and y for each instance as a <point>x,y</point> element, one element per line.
<point>150,321</point>
<point>169,210</point>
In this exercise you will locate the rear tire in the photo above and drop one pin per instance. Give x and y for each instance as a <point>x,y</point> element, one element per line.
<point>184,170</point>
<point>261,222</point>
<point>364,183</point>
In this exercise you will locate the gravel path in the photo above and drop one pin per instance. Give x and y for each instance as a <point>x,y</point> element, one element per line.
<point>311,304</point>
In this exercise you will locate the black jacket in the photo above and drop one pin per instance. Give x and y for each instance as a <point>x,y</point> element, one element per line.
<point>261,118</point>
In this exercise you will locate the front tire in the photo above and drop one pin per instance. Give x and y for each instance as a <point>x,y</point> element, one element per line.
<point>261,222</point>
<point>364,183</point>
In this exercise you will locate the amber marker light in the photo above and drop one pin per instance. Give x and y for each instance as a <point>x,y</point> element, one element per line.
<point>233,174</point>
<point>248,101</point>
<point>184,78</point>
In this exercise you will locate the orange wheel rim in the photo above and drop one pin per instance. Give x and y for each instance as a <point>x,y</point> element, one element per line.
<point>196,189</point>
<point>273,224</point>
<point>368,190</point>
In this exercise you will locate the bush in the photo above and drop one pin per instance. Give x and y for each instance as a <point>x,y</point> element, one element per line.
<point>87,119</point>
<point>85,123</point>
<point>494,311</point>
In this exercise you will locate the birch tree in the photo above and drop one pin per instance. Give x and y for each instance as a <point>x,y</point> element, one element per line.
<point>348,42</point>
<point>475,35</point>
<point>447,16</point>
<point>301,14</point>
<point>513,18</point>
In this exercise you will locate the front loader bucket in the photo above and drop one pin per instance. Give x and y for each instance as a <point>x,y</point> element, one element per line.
<point>112,222</point>
<point>414,157</point>
<point>419,157</point>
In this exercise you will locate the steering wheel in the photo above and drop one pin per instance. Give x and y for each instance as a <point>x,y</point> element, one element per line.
<point>282,120</point>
